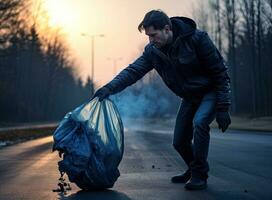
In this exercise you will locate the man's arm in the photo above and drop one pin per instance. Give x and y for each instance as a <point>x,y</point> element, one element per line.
<point>213,62</point>
<point>127,76</point>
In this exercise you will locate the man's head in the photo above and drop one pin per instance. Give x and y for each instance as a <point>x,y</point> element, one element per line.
<point>158,27</point>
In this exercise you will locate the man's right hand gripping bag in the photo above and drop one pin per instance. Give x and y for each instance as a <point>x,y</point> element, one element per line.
<point>91,140</point>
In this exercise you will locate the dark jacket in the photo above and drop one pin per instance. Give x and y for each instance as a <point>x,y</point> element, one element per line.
<point>190,67</point>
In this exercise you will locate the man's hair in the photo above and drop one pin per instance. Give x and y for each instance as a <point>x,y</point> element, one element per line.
<point>156,18</point>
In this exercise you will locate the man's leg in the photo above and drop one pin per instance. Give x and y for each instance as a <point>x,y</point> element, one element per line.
<point>204,115</point>
<point>183,132</point>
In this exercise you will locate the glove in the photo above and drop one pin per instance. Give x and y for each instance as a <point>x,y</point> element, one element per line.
<point>102,93</point>
<point>223,120</point>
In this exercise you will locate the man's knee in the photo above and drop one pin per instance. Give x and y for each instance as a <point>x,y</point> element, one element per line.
<point>201,124</point>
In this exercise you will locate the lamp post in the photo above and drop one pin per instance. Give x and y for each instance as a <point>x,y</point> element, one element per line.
<point>92,55</point>
<point>115,60</point>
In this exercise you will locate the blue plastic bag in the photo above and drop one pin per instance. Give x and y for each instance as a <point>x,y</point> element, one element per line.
<point>91,140</point>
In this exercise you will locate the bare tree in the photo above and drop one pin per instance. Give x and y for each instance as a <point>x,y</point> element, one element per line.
<point>215,7</point>
<point>200,14</point>
<point>231,19</point>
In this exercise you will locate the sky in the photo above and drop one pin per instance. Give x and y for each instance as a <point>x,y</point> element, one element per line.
<point>117,20</point>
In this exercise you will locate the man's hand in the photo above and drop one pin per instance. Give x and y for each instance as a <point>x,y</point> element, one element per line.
<point>102,93</point>
<point>223,120</point>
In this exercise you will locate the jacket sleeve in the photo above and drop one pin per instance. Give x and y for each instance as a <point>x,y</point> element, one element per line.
<point>131,74</point>
<point>215,66</point>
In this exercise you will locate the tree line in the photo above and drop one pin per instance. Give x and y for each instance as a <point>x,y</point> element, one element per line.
<point>242,31</point>
<point>37,76</point>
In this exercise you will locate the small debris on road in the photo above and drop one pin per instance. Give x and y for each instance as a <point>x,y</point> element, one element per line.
<point>63,186</point>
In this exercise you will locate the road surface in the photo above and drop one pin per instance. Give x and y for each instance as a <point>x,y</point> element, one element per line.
<point>240,168</point>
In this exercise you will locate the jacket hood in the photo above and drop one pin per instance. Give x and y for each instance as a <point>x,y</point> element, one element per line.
<point>183,26</point>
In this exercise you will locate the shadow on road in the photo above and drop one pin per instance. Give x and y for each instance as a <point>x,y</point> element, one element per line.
<point>97,195</point>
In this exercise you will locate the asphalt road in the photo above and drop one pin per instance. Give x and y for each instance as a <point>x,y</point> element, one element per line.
<point>240,168</point>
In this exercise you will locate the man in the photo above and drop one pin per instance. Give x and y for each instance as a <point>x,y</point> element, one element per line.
<point>191,66</point>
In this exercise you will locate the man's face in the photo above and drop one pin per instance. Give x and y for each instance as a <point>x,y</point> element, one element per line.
<point>159,37</point>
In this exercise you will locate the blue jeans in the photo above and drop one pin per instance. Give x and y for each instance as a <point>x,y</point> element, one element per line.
<point>192,133</point>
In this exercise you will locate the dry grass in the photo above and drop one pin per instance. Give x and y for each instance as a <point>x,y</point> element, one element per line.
<point>15,136</point>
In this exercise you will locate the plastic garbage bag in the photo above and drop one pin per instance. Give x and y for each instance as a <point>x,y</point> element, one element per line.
<point>91,140</point>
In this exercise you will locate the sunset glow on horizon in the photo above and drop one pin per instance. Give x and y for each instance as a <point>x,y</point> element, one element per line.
<point>116,19</point>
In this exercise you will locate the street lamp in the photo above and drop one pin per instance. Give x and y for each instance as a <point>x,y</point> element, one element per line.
<point>115,60</point>
<point>92,65</point>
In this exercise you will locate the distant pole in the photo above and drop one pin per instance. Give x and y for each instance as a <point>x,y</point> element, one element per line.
<point>114,67</point>
<point>92,56</point>
<point>115,60</point>
<point>92,70</point>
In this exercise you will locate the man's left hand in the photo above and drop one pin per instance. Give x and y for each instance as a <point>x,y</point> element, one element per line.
<point>102,93</point>
<point>223,120</point>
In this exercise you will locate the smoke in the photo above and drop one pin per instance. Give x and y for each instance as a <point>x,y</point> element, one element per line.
<point>146,99</point>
